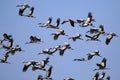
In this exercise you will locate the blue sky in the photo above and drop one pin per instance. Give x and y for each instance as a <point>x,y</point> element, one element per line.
<point>104,12</point>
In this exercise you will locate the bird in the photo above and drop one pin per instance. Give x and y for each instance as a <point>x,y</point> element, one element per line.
<point>69,78</point>
<point>110,35</point>
<point>30,12</point>
<point>81,59</point>
<point>63,48</point>
<point>88,21</point>
<point>40,77</point>
<point>9,45</point>
<point>70,21</point>
<point>94,53</point>
<point>101,76</point>
<point>108,78</point>
<point>45,51</point>
<point>75,37</point>
<point>96,76</point>
<point>4,59</point>
<point>27,64</point>
<point>34,39</point>
<point>22,8</point>
<point>47,23</point>
<point>92,38</point>
<point>102,65</point>
<point>55,26</point>
<point>57,34</point>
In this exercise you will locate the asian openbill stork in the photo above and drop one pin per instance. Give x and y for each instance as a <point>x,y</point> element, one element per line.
<point>30,12</point>
<point>72,23</point>
<point>22,8</point>
<point>69,78</point>
<point>64,47</point>
<point>96,76</point>
<point>27,64</point>
<point>101,76</point>
<point>75,37</point>
<point>93,38</point>
<point>110,35</point>
<point>48,73</point>
<point>4,59</point>
<point>34,39</point>
<point>47,23</point>
<point>102,65</point>
<point>40,77</point>
<point>88,21</point>
<point>55,26</point>
<point>57,34</point>
<point>94,53</point>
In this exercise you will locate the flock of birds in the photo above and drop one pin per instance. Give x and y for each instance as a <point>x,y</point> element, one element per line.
<point>94,33</point>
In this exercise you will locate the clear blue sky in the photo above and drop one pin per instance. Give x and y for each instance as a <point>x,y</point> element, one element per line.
<point>105,12</point>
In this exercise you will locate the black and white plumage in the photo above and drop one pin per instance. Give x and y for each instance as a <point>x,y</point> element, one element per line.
<point>75,37</point>
<point>40,77</point>
<point>27,64</point>
<point>34,39</point>
<point>55,26</point>
<point>57,34</point>
<point>30,12</point>
<point>109,37</point>
<point>6,37</point>
<point>96,76</point>
<point>4,59</point>
<point>88,21</point>
<point>72,23</point>
<point>47,23</point>
<point>63,48</point>
<point>49,72</point>
<point>101,76</point>
<point>92,38</point>
<point>22,8</point>
<point>94,53</point>
<point>102,65</point>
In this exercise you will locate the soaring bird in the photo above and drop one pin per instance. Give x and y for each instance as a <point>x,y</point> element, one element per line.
<point>102,65</point>
<point>94,53</point>
<point>69,78</point>
<point>27,64</point>
<point>110,35</point>
<point>96,76</point>
<point>22,8</point>
<point>48,73</point>
<point>47,23</point>
<point>57,34</point>
<point>63,48</point>
<point>88,21</point>
<point>75,37</point>
<point>70,21</point>
<point>55,26</point>
<point>4,59</point>
<point>40,77</point>
<point>34,39</point>
<point>30,12</point>
<point>93,38</point>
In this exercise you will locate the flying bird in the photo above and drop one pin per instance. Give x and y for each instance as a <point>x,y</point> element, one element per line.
<point>108,78</point>
<point>109,37</point>
<point>70,21</point>
<point>22,8</point>
<point>96,76</point>
<point>4,59</point>
<point>75,37</point>
<point>94,53</point>
<point>69,78</point>
<point>92,38</point>
<point>102,65</point>
<point>81,59</point>
<point>102,76</point>
<point>47,23</point>
<point>30,12</point>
